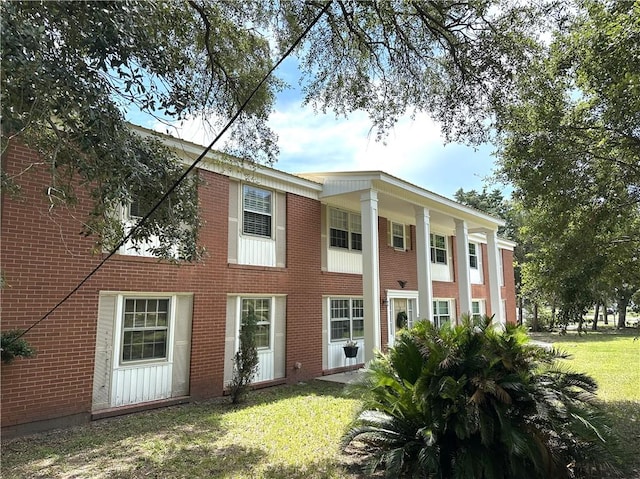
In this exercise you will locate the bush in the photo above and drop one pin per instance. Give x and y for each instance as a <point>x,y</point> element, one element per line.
<point>15,348</point>
<point>245,361</point>
<point>473,402</point>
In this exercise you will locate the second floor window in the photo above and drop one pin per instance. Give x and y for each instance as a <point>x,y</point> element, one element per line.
<point>438,249</point>
<point>397,235</point>
<point>473,255</point>
<point>345,230</point>
<point>256,211</point>
<point>135,210</point>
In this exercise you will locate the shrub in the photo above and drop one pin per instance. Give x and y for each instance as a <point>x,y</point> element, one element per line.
<point>14,346</point>
<point>245,361</point>
<point>473,402</point>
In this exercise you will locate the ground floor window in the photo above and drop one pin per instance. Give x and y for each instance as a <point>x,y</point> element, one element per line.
<point>261,307</point>
<point>145,329</point>
<point>477,309</point>
<point>441,312</point>
<point>346,319</point>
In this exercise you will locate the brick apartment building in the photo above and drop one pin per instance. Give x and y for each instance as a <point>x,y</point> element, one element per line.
<point>321,258</point>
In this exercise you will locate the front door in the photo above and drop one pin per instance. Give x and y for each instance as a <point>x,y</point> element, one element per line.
<point>402,314</point>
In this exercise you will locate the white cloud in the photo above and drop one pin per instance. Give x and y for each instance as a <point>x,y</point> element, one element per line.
<point>414,149</point>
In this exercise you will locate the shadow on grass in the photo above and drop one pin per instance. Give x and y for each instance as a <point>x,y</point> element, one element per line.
<point>179,441</point>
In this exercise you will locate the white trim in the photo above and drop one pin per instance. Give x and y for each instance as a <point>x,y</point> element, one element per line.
<point>482,306</point>
<point>404,236</point>
<point>409,295</point>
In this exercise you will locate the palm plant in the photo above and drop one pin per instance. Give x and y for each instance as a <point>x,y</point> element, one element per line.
<point>470,401</point>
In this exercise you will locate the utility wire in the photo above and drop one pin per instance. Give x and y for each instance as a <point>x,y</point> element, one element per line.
<point>181,178</point>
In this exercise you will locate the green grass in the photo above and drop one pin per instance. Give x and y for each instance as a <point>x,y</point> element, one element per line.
<point>286,431</point>
<point>612,358</point>
<point>283,432</point>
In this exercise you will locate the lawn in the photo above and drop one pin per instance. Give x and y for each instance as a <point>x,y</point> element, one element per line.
<point>611,357</point>
<point>282,432</point>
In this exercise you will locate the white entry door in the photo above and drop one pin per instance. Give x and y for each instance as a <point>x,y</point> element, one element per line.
<point>402,313</point>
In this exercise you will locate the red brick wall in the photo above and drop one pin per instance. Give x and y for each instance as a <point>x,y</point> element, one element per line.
<point>508,291</point>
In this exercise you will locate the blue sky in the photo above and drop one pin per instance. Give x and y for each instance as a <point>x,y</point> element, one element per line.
<point>414,150</point>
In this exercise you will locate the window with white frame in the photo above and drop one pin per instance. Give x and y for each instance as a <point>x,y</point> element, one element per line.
<point>473,255</point>
<point>261,308</point>
<point>346,318</point>
<point>135,210</point>
<point>397,235</point>
<point>145,329</point>
<point>438,249</point>
<point>441,312</point>
<point>477,309</point>
<point>256,211</point>
<point>345,230</point>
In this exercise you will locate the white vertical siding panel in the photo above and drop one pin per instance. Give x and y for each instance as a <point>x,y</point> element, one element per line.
<point>136,384</point>
<point>104,352</point>
<point>265,366</point>
<point>337,358</point>
<point>256,251</point>
<point>476,275</point>
<point>230,338</point>
<point>279,339</point>
<point>441,272</point>
<point>339,261</point>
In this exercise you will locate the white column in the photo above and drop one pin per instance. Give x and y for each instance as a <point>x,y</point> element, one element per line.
<point>423,256</point>
<point>462,266</point>
<point>493,258</point>
<point>370,272</point>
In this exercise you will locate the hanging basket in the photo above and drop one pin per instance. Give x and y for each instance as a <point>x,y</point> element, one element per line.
<point>350,351</point>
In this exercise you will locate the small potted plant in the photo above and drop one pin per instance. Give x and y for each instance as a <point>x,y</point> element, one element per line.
<point>350,349</point>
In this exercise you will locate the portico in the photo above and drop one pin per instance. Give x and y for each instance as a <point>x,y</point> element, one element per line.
<point>376,195</point>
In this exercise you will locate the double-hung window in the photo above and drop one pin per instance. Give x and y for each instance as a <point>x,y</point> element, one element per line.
<point>397,236</point>
<point>135,210</point>
<point>438,249</point>
<point>477,309</point>
<point>441,312</point>
<point>473,255</point>
<point>345,230</point>
<point>347,319</point>
<point>145,329</point>
<point>261,309</point>
<point>256,211</point>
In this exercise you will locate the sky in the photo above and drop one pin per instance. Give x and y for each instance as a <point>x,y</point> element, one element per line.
<point>414,150</point>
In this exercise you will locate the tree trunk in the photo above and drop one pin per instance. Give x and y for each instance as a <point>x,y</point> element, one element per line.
<point>580,319</point>
<point>534,322</point>
<point>594,326</point>
<point>622,311</point>
<point>553,316</point>
<point>605,312</point>
<point>520,307</point>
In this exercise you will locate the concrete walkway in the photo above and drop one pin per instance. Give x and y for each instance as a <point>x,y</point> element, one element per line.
<point>343,378</point>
